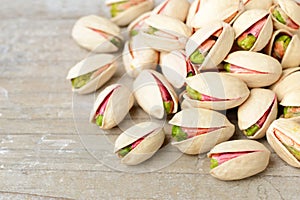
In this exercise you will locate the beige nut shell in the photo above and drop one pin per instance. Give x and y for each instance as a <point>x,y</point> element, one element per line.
<point>242,166</point>
<point>291,98</point>
<point>202,118</point>
<point>119,104</point>
<point>257,4</point>
<point>139,20</point>
<point>259,101</point>
<point>154,138</point>
<point>90,64</point>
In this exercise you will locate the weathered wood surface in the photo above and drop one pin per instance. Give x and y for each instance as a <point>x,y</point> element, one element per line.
<point>47,146</point>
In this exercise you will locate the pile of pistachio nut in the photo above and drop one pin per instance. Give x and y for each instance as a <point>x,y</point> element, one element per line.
<point>220,54</point>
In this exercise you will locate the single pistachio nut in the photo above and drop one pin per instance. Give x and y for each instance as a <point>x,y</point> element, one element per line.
<point>91,73</point>
<point>291,103</point>
<point>138,24</point>
<point>97,34</point>
<point>139,142</point>
<point>111,106</point>
<point>238,159</point>
<point>197,130</point>
<point>257,113</point>
<point>257,4</point>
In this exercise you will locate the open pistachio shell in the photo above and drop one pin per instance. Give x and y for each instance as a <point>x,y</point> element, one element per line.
<point>137,57</point>
<point>217,10</point>
<point>91,32</point>
<point>173,33</point>
<point>153,135</point>
<point>119,103</point>
<point>257,4</point>
<point>194,8</point>
<point>290,128</point>
<point>259,70</point>
<point>103,63</point>
<point>131,13</point>
<point>261,102</point>
<point>175,67</point>
<point>220,48</point>
<point>291,56</point>
<point>242,166</point>
<point>173,8</point>
<point>291,98</point>
<point>229,91</point>
<point>138,24</point>
<point>287,83</point>
<point>202,118</point>
<point>249,18</point>
<point>148,95</point>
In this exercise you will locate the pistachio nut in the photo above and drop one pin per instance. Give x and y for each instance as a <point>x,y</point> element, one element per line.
<point>253,29</point>
<point>256,69</point>
<point>291,103</point>
<point>125,11</point>
<point>238,159</point>
<point>257,113</point>
<point>197,130</point>
<point>97,34</point>
<point>257,4</point>
<point>173,8</point>
<point>164,33</point>
<point>138,24</point>
<point>217,10</point>
<point>208,46</point>
<point>287,82</point>
<point>284,46</point>
<point>137,57</point>
<point>154,94</point>
<point>286,15</point>
<point>91,73</point>
<point>283,137</point>
<point>139,142</point>
<point>215,91</point>
<point>194,8</point>
<point>176,67</point>
<point>111,106</point>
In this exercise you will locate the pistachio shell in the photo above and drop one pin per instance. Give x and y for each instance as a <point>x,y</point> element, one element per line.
<point>148,96</point>
<point>290,128</point>
<point>202,118</point>
<point>83,34</point>
<point>268,68</point>
<point>195,5</point>
<point>257,4</point>
<point>119,104</point>
<point>154,138</point>
<point>219,50</point>
<point>91,64</point>
<point>216,10</point>
<point>170,25</point>
<point>291,98</point>
<point>291,57</point>
<point>242,166</point>
<point>130,14</point>
<point>220,86</point>
<point>137,57</point>
<point>249,18</point>
<point>259,101</point>
<point>173,8</point>
<point>140,22</point>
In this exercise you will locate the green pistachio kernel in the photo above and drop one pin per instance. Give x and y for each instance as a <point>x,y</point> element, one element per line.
<point>123,152</point>
<point>247,43</point>
<point>178,134</point>
<point>293,151</point>
<point>197,57</point>
<point>278,16</point>
<point>193,93</point>
<point>116,41</point>
<point>168,105</point>
<point>227,67</point>
<point>252,130</point>
<point>99,120</point>
<point>152,30</point>
<point>213,163</point>
<point>80,81</point>
<point>133,32</point>
<point>285,39</point>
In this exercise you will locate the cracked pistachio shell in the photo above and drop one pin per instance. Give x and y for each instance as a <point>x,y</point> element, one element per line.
<point>292,10</point>
<point>290,128</point>
<point>148,95</point>
<point>259,101</point>
<point>169,25</point>
<point>174,67</point>
<point>268,68</point>
<point>291,98</point>
<point>154,138</point>
<point>217,85</point>
<point>219,50</point>
<point>242,166</point>
<point>89,39</point>
<point>249,18</point>
<point>130,14</point>
<point>91,64</point>
<point>217,10</point>
<point>257,4</point>
<point>291,56</point>
<point>202,118</point>
<point>288,82</point>
<point>137,57</point>
<point>173,8</point>
<point>138,24</point>
<point>194,8</point>
<point>119,104</point>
